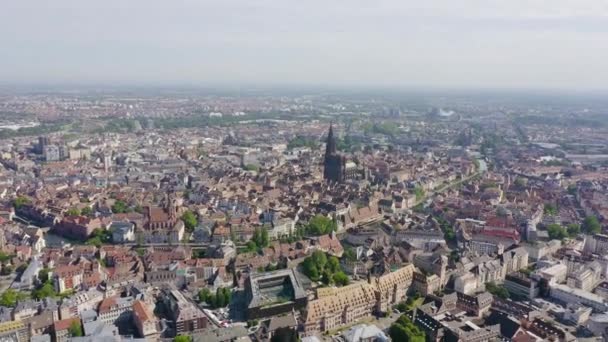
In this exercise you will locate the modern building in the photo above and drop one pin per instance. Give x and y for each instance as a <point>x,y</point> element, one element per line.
<point>187,316</point>
<point>274,293</point>
<point>567,294</point>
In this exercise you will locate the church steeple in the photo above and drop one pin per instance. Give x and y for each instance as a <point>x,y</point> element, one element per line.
<point>330,147</point>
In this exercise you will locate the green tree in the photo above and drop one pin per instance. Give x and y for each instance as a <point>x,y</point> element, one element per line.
<point>320,259</point>
<point>251,246</point>
<point>46,290</point>
<point>404,330</point>
<point>419,192</point>
<point>550,209</point>
<point>341,279</point>
<point>86,211</point>
<point>43,275</point>
<point>573,230</point>
<point>6,270</point>
<point>321,225</point>
<point>203,294</point>
<point>120,207</point>
<point>260,237</point>
<point>333,264</point>
<point>182,338</point>
<point>496,290</point>
<point>557,232</point>
<point>190,220</point>
<point>9,298</point>
<point>591,225</point>
<point>310,269</point>
<point>73,212</point>
<point>349,254</point>
<point>20,201</point>
<point>4,257</point>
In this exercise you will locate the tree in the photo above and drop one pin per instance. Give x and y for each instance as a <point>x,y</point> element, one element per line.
<point>6,270</point>
<point>190,220</point>
<point>73,212</point>
<point>341,279</point>
<point>86,211</point>
<point>333,264</point>
<point>310,269</point>
<point>550,209</point>
<point>10,297</point>
<point>573,230</point>
<point>203,294</point>
<point>119,207</point>
<point>404,330</point>
<point>182,338</point>
<point>557,232</point>
<point>4,257</point>
<point>43,275</point>
<point>321,225</point>
<point>591,225</point>
<point>46,290</point>
<point>349,254</point>
<point>251,246</point>
<point>320,259</point>
<point>20,201</point>
<point>419,192</point>
<point>496,290</point>
<point>260,237</point>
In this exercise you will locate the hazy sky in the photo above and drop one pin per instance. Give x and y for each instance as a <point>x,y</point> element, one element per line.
<point>448,43</point>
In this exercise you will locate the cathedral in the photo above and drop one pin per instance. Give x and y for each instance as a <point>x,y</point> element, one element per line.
<point>335,166</point>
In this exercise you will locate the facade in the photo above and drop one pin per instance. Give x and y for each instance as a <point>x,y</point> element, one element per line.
<point>162,224</point>
<point>567,294</point>
<point>335,307</point>
<point>144,320</point>
<point>51,153</point>
<point>122,232</point>
<point>335,167</point>
<point>115,309</point>
<point>521,285</point>
<point>77,227</point>
<point>187,316</point>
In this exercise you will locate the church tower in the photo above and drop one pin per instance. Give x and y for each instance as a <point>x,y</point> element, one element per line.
<point>333,165</point>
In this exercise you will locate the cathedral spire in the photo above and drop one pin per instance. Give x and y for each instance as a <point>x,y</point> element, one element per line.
<point>330,148</point>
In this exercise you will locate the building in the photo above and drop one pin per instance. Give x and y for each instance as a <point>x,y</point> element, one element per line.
<point>187,316</point>
<point>14,331</point>
<point>62,328</point>
<point>51,153</point>
<point>122,231</point>
<point>115,309</point>
<point>274,293</point>
<point>522,286</point>
<point>162,224</point>
<point>597,243</point>
<point>335,166</point>
<point>365,333</point>
<point>77,227</point>
<point>335,307</point>
<point>144,320</point>
<point>567,294</point>
<point>586,278</point>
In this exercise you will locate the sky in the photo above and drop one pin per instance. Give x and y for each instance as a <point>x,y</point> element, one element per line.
<point>548,44</point>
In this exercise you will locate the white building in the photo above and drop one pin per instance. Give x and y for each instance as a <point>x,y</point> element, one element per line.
<point>568,294</point>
